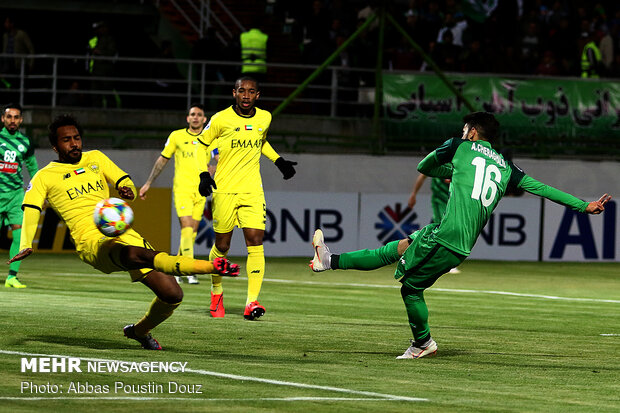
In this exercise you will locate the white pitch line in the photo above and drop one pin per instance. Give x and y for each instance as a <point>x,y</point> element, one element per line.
<point>245,378</point>
<point>448,290</point>
<point>262,399</point>
<point>611,335</point>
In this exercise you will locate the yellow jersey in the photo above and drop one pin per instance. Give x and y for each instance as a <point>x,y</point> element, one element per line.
<point>73,190</point>
<point>240,141</point>
<point>189,160</point>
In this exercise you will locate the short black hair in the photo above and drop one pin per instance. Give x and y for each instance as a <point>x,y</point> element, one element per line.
<point>246,78</point>
<point>60,121</point>
<point>485,123</point>
<point>12,106</point>
<point>196,105</point>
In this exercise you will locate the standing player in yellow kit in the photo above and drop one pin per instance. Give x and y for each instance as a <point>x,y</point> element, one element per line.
<point>240,134</point>
<point>189,163</point>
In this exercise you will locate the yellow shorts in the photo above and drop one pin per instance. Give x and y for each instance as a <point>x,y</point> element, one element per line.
<point>189,204</point>
<point>103,253</point>
<point>245,210</point>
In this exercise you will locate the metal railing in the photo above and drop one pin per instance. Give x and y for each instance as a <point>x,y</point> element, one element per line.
<point>146,83</point>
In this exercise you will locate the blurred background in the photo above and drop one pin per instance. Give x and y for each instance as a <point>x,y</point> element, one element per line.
<point>394,77</point>
<point>360,91</point>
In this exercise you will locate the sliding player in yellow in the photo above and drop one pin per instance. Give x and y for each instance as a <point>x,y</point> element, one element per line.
<point>189,163</point>
<point>240,134</point>
<point>73,185</point>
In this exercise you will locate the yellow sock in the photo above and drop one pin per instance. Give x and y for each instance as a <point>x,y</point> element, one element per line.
<point>157,313</point>
<point>179,265</point>
<point>186,248</point>
<point>216,280</point>
<point>255,267</point>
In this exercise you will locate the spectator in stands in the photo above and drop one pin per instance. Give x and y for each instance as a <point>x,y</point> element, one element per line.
<point>315,34</point>
<point>591,59</point>
<point>254,52</point>
<point>457,25</point>
<point>416,30</point>
<point>473,59</point>
<point>446,54</point>
<point>562,40</point>
<point>606,45</point>
<point>432,18</point>
<point>102,44</point>
<point>548,65</point>
<point>16,41</point>
<point>530,47</point>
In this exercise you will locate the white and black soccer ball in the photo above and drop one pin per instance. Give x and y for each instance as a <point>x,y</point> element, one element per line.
<point>113,216</point>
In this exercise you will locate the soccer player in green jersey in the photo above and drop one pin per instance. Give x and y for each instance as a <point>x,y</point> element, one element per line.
<point>73,185</point>
<point>15,150</point>
<point>479,178</point>
<point>240,134</point>
<point>439,199</point>
<point>189,162</point>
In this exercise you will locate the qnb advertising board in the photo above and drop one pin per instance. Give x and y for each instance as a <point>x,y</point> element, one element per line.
<point>352,221</point>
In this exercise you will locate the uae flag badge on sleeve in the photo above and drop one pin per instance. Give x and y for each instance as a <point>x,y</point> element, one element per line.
<point>79,171</point>
<point>248,127</point>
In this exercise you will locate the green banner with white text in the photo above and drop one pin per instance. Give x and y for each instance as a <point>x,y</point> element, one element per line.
<point>538,116</point>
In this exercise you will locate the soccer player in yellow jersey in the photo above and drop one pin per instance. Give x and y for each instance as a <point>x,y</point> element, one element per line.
<point>240,134</point>
<point>73,185</point>
<point>189,163</point>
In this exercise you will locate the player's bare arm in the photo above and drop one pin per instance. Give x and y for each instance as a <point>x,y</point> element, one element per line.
<point>159,166</point>
<point>596,207</point>
<point>21,255</point>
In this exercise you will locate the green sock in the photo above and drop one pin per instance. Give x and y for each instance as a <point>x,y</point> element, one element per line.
<point>417,312</point>
<point>14,249</point>
<point>367,259</point>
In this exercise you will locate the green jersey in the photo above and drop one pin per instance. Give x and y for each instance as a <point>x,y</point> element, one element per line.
<point>439,197</point>
<point>15,150</point>
<point>479,178</point>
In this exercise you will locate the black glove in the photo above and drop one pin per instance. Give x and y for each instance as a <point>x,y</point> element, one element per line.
<point>206,182</point>
<point>286,167</point>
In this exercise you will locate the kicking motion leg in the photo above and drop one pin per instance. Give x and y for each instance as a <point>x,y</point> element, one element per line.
<point>356,260</point>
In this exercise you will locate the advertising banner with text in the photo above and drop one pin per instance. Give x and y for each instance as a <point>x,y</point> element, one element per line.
<point>525,108</point>
<point>352,221</point>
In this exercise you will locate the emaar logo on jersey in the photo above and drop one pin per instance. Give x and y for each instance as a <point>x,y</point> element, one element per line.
<point>395,223</point>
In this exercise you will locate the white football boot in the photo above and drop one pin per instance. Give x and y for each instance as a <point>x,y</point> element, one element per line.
<point>413,352</point>
<point>322,256</point>
<point>192,279</point>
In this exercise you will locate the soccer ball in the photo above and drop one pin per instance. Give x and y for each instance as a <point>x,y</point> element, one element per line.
<point>113,216</point>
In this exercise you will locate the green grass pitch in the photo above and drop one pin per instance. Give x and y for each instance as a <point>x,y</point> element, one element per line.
<point>512,337</point>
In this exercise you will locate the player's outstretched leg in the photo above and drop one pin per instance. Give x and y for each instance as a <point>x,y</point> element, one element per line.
<point>356,260</point>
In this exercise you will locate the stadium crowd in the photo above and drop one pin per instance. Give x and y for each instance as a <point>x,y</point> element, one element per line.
<point>523,37</point>
<point>540,37</point>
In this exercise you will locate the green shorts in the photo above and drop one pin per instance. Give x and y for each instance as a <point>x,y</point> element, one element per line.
<point>425,260</point>
<point>11,207</point>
